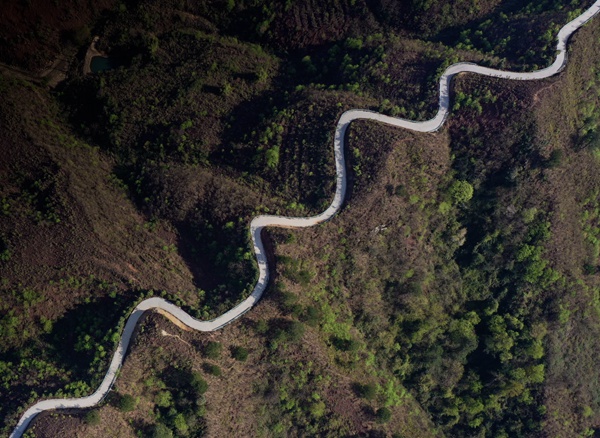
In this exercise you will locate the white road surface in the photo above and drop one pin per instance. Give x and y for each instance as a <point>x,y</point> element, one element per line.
<point>261,222</point>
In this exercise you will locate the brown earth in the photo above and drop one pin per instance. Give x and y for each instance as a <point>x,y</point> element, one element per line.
<point>35,33</point>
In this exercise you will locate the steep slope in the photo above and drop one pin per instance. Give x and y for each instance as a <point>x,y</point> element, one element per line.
<point>480,308</point>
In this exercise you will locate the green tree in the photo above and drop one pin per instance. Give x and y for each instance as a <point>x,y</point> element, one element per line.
<point>461,191</point>
<point>152,44</point>
<point>161,431</point>
<point>164,399</point>
<point>262,75</point>
<point>317,409</point>
<point>501,340</point>
<point>345,344</point>
<point>535,373</point>
<point>181,425</point>
<point>272,157</point>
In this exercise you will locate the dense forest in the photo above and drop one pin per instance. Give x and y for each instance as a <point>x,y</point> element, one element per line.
<point>456,294</point>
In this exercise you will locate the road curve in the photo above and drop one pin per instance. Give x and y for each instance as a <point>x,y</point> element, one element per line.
<point>260,222</point>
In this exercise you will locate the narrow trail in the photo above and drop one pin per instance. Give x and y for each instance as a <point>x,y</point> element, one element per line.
<point>260,222</point>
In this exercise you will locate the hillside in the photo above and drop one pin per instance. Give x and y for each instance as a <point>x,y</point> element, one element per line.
<point>456,294</point>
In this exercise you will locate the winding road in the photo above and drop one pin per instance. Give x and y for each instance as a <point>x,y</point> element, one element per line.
<point>260,222</point>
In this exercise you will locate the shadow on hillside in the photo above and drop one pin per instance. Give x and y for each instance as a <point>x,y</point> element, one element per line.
<point>76,336</point>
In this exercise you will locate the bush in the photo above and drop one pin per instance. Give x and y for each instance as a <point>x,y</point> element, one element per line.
<point>126,403</point>
<point>283,331</point>
<point>295,331</point>
<point>555,159</point>
<point>383,415</point>
<point>213,350</point>
<point>311,316</point>
<point>345,344</point>
<point>262,327</point>
<point>212,369</point>
<point>198,383</point>
<point>92,418</point>
<point>287,300</point>
<point>239,353</point>
<point>368,391</point>
<point>401,191</point>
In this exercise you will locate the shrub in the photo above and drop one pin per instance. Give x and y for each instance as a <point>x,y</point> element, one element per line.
<point>345,344</point>
<point>311,316</point>
<point>295,331</point>
<point>262,327</point>
<point>126,403</point>
<point>368,391</point>
<point>304,277</point>
<point>212,369</point>
<point>92,417</point>
<point>555,158</point>
<point>383,415</point>
<point>400,190</point>
<point>213,350</point>
<point>198,383</point>
<point>282,331</point>
<point>239,353</point>
<point>287,299</point>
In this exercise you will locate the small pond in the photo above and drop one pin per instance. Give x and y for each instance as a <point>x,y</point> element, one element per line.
<point>102,63</point>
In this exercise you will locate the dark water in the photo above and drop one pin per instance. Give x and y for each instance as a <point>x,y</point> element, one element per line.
<point>100,63</point>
